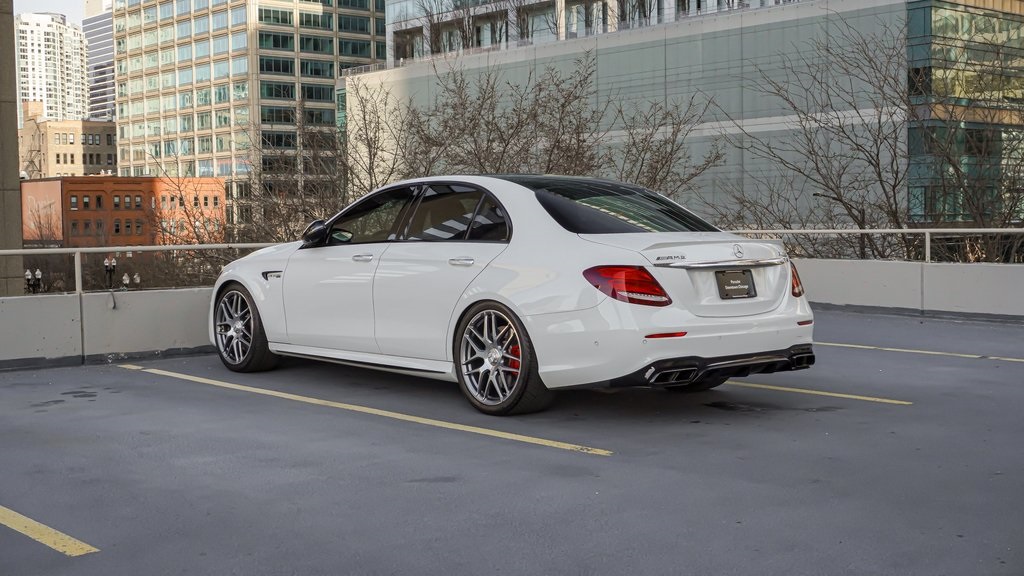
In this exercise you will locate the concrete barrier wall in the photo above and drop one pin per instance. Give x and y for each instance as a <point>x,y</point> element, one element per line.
<point>111,326</point>
<point>36,330</point>
<point>991,289</point>
<point>101,326</point>
<point>122,324</point>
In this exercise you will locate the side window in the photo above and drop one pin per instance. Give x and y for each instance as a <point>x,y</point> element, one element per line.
<point>490,223</point>
<point>371,220</point>
<point>443,213</point>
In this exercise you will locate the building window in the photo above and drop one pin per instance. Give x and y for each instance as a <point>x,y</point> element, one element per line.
<point>318,93</point>
<point>99,227</point>
<point>74,227</point>
<point>277,90</point>
<point>127,202</point>
<point>220,20</point>
<point>272,41</point>
<point>138,202</point>
<point>279,139</point>
<point>317,68</point>
<point>117,202</point>
<point>58,157</point>
<point>138,227</point>
<point>320,21</point>
<point>117,226</point>
<point>319,116</point>
<point>99,202</point>
<point>85,202</point>
<point>74,202</point>
<point>316,44</point>
<point>206,201</point>
<point>87,227</point>
<point>277,115</point>
<point>128,227</point>
<point>354,24</point>
<point>272,16</point>
<point>357,48</point>
<point>270,65</point>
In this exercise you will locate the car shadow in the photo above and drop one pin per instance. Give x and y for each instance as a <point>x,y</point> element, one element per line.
<point>437,398</point>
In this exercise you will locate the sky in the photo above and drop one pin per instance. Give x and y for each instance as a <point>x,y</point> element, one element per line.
<point>73,9</point>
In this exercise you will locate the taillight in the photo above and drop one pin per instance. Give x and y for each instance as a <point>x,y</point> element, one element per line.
<point>633,284</point>
<point>798,286</point>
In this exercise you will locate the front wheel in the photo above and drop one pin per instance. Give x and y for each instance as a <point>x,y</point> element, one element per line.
<point>238,331</point>
<point>495,362</point>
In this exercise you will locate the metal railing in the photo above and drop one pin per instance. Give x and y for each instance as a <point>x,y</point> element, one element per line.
<point>78,252</point>
<point>927,233</point>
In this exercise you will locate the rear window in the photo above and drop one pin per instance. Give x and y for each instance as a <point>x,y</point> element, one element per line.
<point>601,207</point>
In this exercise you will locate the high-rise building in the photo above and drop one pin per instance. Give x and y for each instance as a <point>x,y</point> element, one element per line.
<point>98,28</point>
<point>200,81</point>
<point>51,65</point>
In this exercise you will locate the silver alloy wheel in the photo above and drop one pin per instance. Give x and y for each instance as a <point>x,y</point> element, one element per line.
<point>233,326</point>
<point>491,357</point>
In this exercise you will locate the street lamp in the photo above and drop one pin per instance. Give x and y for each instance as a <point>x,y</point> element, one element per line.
<point>33,281</point>
<point>109,266</point>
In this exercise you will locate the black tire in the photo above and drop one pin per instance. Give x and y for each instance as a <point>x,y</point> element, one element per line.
<point>700,385</point>
<point>257,356</point>
<point>527,393</point>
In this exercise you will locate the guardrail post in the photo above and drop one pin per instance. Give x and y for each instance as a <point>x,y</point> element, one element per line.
<point>927,247</point>
<point>78,272</point>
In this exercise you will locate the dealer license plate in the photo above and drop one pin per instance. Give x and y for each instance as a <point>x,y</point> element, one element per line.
<point>735,284</point>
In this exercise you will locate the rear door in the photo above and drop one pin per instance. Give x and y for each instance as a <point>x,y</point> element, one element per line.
<point>454,232</point>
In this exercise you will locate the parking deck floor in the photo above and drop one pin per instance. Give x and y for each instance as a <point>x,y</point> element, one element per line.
<point>899,453</point>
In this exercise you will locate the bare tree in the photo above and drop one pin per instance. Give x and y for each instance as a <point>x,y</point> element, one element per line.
<point>864,131</point>
<point>845,147</point>
<point>654,153</point>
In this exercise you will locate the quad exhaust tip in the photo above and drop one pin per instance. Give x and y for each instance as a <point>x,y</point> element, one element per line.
<point>674,376</point>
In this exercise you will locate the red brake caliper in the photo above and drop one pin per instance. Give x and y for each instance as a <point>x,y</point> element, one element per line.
<point>514,364</point>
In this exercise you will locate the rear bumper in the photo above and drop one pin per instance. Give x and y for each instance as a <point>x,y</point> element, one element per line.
<point>608,342</point>
<point>675,371</point>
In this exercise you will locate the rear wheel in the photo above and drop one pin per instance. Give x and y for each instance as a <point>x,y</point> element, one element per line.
<point>241,340</point>
<point>700,385</point>
<point>495,362</point>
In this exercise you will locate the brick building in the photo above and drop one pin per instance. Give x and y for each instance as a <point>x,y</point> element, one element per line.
<point>114,211</point>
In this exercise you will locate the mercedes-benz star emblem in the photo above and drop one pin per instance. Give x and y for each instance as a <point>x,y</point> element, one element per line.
<point>737,250</point>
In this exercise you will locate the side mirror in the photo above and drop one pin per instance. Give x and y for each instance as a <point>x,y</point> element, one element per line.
<point>314,234</point>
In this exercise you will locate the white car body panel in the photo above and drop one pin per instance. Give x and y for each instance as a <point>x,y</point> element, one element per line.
<point>416,289</point>
<point>400,310</point>
<point>328,294</point>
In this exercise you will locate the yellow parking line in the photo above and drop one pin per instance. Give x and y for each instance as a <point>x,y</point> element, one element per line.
<point>914,351</point>
<point>378,412</point>
<point>43,534</point>
<point>819,393</point>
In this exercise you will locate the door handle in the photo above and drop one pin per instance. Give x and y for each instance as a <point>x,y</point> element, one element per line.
<point>463,261</point>
<point>363,257</point>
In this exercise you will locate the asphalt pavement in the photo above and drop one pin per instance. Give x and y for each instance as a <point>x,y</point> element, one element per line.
<point>899,453</point>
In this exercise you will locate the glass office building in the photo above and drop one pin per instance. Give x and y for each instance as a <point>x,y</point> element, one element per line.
<point>200,84</point>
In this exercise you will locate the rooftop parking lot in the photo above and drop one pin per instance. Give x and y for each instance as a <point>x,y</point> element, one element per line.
<point>898,453</point>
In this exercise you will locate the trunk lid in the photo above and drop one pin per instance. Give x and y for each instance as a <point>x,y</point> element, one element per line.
<point>710,273</point>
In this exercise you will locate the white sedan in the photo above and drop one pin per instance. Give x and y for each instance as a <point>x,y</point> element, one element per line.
<point>516,286</point>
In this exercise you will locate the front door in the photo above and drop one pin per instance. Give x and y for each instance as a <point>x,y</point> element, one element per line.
<point>328,289</point>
